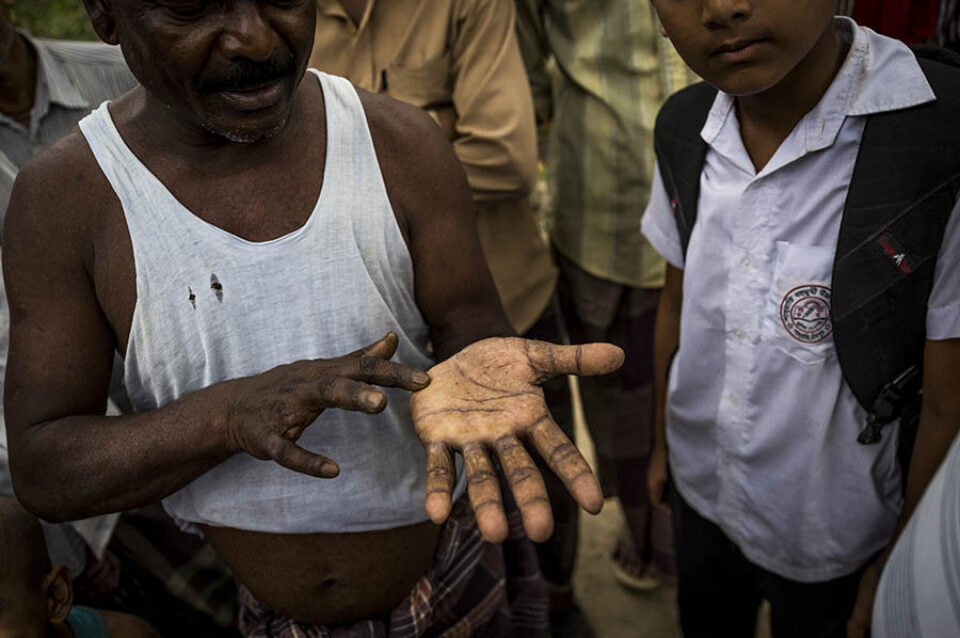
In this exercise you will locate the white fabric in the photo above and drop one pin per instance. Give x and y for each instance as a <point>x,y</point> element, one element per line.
<point>339,282</point>
<point>919,592</point>
<point>761,426</point>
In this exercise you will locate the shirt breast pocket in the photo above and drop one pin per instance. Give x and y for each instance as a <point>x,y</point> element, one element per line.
<point>798,320</point>
<point>423,85</point>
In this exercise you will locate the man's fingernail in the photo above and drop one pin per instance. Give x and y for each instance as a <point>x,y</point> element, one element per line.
<point>421,378</point>
<point>371,399</point>
<point>329,470</point>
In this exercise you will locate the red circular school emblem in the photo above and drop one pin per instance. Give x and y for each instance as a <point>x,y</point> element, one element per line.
<point>805,313</point>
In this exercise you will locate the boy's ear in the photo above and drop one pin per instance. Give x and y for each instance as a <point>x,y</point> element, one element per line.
<point>58,593</point>
<point>663,30</point>
<point>103,20</point>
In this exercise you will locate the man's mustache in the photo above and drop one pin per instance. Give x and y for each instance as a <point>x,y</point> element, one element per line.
<point>248,75</point>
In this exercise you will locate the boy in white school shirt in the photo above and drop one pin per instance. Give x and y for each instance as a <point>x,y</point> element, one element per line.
<point>774,497</point>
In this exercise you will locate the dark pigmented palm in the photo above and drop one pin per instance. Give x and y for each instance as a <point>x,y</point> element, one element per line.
<point>488,397</point>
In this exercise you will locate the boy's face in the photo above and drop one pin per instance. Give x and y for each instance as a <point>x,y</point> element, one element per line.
<point>744,47</point>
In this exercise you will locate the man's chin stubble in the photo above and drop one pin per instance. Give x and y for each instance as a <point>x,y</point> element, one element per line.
<point>242,135</point>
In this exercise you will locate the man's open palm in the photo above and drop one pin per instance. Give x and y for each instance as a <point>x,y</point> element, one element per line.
<point>488,397</point>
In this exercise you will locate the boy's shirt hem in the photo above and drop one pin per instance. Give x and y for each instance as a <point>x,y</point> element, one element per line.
<point>762,429</point>
<point>776,563</point>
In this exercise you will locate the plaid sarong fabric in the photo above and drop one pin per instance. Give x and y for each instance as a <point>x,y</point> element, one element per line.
<point>473,588</point>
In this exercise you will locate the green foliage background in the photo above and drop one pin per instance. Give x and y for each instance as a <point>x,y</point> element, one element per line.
<point>53,19</point>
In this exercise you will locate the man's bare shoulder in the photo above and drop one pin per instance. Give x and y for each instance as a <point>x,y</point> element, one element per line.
<point>61,187</point>
<point>399,129</point>
<point>418,164</point>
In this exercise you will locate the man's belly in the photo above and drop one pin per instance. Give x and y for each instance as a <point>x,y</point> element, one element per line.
<point>328,578</point>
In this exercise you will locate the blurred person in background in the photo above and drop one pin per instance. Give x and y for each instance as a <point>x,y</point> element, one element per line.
<point>924,22</point>
<point>140,561</point>
<point>613,71</point>
<point>46,87</point>
<point>458,60</point>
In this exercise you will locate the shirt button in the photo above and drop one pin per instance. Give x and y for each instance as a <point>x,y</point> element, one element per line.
<point>739,334</point>
<point>745,262</point>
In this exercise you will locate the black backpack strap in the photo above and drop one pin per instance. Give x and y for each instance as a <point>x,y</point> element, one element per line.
<point>904,186</point>
<point>681,151</point>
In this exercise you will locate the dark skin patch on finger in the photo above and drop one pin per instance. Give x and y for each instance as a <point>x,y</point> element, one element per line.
<point>440,471</point>
<point>507,443</point>
<point>522,474</point>
<point>561,453</point>
<point>532,500</point>
<point>581,475</point>
<point>481,476</point>
<point>487,503</point>
<point>542,419</point>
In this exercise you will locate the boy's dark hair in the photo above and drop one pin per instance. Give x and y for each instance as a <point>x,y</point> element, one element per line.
<point>904,186</point>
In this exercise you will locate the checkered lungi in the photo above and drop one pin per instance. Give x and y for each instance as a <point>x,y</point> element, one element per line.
<point>473,588</point>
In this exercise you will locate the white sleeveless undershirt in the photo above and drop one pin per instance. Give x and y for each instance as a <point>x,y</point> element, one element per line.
<point>212,306</point>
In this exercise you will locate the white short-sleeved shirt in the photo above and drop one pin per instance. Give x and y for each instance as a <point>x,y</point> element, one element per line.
<point>761,426</point>
<point>919,592</point>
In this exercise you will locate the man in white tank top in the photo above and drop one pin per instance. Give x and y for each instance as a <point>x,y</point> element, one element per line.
<point>234,229</point>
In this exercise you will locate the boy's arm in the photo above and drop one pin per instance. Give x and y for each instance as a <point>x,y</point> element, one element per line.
<point>939,420</point>
<point>666,338</point>
<point>939,425</point>
<point>659,226</point>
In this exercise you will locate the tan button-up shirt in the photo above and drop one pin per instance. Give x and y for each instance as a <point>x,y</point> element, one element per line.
<point>459,54</point>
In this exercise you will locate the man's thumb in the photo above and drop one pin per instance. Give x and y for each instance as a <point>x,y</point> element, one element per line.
<point>384,348</point>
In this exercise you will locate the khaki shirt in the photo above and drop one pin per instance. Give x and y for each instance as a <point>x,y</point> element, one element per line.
<point>437,54</point>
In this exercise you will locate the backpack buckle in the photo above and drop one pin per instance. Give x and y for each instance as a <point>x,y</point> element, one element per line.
<point>889,404</point>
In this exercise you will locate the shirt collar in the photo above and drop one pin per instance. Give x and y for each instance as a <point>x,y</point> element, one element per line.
<point>53,82</point>
<point>880,74</point>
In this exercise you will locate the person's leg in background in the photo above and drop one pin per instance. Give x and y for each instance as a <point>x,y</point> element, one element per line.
<point>619,413</point>
<point>558,554</point>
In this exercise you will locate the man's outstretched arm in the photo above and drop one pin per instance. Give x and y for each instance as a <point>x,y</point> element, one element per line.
<point>485,398</point>
<point>68,461</point>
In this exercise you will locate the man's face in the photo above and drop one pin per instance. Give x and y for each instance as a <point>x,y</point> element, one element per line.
<point>744,47</point>
<point>231,66</point>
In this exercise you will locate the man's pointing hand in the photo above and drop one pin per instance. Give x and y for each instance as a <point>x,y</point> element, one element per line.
<point>271,410</point>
